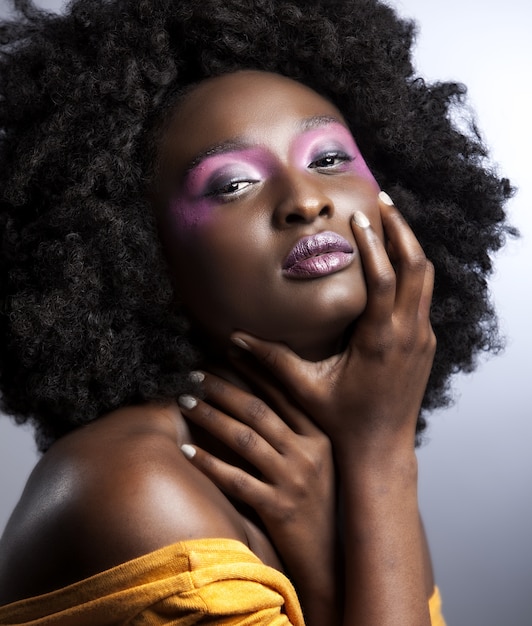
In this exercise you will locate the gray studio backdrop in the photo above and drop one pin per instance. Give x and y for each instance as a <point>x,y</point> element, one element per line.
<point>476,467</point>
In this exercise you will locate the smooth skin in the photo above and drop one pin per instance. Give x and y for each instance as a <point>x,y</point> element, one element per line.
<point>371,425</point>
<point>226,242</point>
<point>320,409</point>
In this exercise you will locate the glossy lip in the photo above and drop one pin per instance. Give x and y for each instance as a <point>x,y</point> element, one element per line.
<point>318,255</point>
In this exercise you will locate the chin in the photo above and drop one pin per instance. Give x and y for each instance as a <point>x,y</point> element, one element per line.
<point>326,337</point>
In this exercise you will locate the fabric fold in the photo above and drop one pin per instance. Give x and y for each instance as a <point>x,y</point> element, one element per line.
<point>204,581</point>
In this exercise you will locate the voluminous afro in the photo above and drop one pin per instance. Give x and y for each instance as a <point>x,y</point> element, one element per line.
<point>88,321</point>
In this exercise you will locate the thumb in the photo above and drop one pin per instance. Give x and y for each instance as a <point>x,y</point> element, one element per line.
<point>296,374</point>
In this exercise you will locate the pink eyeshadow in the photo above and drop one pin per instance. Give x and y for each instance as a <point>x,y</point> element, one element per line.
<point>193,206</point>
<point>332,136</point>
<point>253,162</point>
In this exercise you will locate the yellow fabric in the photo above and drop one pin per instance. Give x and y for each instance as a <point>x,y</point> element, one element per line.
<point>206,582</point>
<point>436,617</point>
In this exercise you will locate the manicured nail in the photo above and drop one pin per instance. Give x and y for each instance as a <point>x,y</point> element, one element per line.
<point>188,451</point>
<point>238,341</point>
<point>187,402</point>
<point>385,198</point>
<point>196,377</point>
<point>360,219</point>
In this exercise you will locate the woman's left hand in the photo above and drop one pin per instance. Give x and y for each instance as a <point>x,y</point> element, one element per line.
<point>295,493</point>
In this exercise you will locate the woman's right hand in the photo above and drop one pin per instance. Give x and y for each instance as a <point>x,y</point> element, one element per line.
<point>294,493</point>
<point>370,395</point>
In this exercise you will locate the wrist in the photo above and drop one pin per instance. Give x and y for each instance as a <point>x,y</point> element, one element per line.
<point>387,453</point>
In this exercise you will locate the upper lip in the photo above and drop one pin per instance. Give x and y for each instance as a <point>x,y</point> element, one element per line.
<point>314,245</point>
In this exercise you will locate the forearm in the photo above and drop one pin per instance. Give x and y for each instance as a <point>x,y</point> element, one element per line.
<point>385,567</point>
<point>318,582</point>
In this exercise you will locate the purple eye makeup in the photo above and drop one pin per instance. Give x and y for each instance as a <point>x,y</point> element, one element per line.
<point>216,173</point>
<point>218,179</point>
<point>329,147</point>
<point>226,176</point>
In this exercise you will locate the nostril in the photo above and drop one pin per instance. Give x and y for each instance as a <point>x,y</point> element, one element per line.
<point>305,216</point>
<point>294,218</point>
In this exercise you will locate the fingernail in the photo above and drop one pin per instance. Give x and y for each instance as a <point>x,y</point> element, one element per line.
<point>188,451</point>
<point>360,219</point>
<point>238,341</point>
<point>196,377</point>
<point>187,402</point>
<point>385,198</point>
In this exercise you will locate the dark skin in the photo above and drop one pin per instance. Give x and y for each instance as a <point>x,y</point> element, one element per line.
<point>338,386</point>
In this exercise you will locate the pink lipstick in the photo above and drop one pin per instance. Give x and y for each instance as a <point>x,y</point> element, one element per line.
<point>318,255</point>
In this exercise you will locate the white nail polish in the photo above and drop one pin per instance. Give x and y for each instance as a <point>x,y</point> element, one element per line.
<point>240,343</point>
<point>385,198</point>
<point>187,402</point>
<point>360,219</point>
<point>188,451</point>
<point>196,377</point>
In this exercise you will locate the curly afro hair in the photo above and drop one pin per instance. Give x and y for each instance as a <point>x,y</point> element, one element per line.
<point>88,321</point>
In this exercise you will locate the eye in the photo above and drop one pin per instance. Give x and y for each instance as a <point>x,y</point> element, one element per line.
<point>228,190</point>
<point>331,161</point>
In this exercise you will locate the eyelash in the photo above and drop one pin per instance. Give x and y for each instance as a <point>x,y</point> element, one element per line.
<point>341,157</point>
<point>224,191</point>
<point>228,191</point>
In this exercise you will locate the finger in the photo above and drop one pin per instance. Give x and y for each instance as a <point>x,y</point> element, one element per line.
<point>296,374</point>
<point>237,436</point>
<point>378,270</point>
<point>247,408</point>
<point>232,480</point>
<point>425,300</point>
<point>409,260</point>
<point>264,382</point>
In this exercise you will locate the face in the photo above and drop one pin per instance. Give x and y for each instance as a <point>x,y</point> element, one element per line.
<point>260,177</point>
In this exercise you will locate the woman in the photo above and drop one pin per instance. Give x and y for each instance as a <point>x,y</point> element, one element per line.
<point>286,306</point>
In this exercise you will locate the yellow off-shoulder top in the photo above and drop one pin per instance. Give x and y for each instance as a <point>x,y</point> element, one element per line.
<point>204,581</point>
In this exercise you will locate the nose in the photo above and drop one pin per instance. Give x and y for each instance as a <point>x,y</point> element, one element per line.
<point>301,199</point>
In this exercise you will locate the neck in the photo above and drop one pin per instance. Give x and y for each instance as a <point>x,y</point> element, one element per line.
<point>233,364</point>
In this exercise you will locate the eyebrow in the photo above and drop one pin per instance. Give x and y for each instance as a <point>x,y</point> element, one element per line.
<point>231,145</point>
<point>310,123</point>
<point>237,144</point>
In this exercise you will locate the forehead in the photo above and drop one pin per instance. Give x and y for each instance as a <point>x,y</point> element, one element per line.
<point>256,106</point>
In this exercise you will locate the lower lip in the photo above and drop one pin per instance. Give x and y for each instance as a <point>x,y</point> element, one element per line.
<point>321,265</point>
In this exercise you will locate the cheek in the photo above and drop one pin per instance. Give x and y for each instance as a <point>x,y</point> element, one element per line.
<point>360,168</point>
<point>205,245</point>
<point>184,230</point>
<point>185,217</point>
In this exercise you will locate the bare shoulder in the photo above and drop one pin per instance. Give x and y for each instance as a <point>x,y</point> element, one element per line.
<point>110,492</point>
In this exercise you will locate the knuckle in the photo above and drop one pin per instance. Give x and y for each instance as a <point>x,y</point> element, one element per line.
<point>323,445</point>
<point>246,439</point>
<point>408,342</point>
<point>270,357</point>
<point>300,488</point>
<point>382,342</point>
<point>256,410</point>
<point>385,282</point>
<point>284,510</point>
<point>416,263</point>
<point>314,471</point>
<point>238,483</point>
<point>313,465</point>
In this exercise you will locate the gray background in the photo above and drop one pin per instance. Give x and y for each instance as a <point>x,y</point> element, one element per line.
<point>476,467</point>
